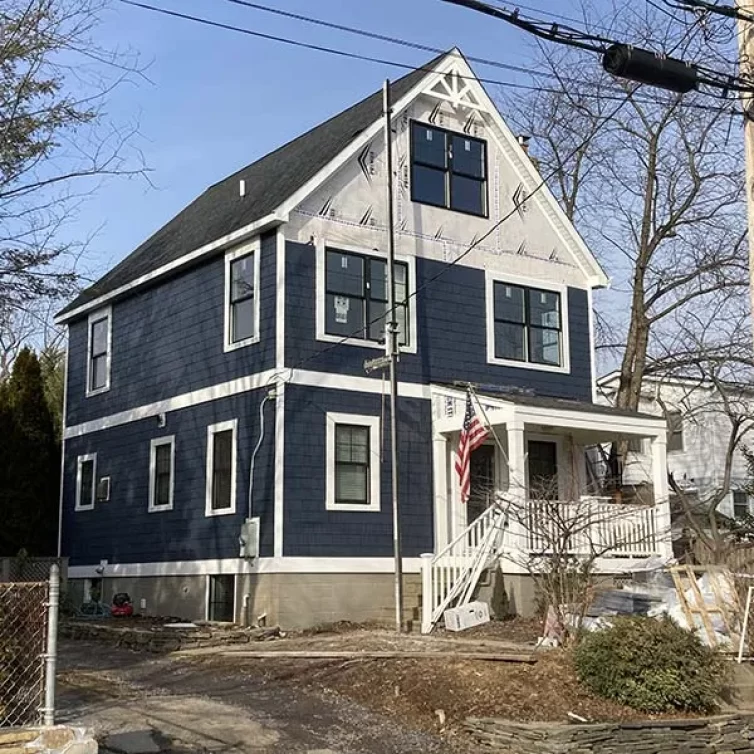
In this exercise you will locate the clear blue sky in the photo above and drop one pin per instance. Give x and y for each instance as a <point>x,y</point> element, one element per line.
<point>218,100</point>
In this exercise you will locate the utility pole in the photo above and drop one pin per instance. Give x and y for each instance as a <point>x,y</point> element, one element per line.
<point>746,66</point>
<point>391,346</point>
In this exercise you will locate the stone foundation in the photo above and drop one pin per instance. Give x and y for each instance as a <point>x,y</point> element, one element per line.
<point>729,734</point>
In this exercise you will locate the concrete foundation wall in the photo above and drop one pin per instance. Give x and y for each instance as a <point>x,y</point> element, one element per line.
<point>288,600</point>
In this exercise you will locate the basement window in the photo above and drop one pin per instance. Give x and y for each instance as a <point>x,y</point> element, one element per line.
<point>221,598</point>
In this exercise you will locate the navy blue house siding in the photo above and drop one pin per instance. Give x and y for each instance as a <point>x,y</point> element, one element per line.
<point>310,529</point>
<point>123,531</point>
<point>451,338</point>
<point>168,340</point>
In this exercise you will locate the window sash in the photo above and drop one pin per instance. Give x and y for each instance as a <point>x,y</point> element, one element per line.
<point>86,490</point>
<point>222,469</point>
<point>366,298</point>
<point>99,348</point>
<point>352,475</point>
<point>675,430</point>
<point>163,472</point>
<point>450,169</point>
<point>527,325</point>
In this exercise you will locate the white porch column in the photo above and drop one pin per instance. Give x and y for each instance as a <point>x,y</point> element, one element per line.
<point>516,540</point>
<point>661,495</point>
<point>440,483</point>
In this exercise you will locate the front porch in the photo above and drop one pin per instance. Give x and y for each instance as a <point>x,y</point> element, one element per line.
<point>538,489</point>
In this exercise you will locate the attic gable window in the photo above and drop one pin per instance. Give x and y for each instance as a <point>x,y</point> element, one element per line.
<point>448,169</point>
<point>242,297</point>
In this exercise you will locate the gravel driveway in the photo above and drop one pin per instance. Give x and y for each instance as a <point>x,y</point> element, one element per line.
<point>144,704</point>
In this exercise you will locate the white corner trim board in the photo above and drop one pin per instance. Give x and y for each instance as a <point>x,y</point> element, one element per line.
<point>264,379</point>
<point>238,565</point>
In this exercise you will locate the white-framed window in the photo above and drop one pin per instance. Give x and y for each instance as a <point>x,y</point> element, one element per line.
<point>527,324</point>
<point>86,481</point>
<point>740,504</point>
<point>448,169</point>
<point>221,597</point>
<point>221,468</point>
<point>353,462</point>
<point>99,351</point>
<point>242,296</point>
<point>675,431</point>
<point>161,473</point>
<point>352,296</point>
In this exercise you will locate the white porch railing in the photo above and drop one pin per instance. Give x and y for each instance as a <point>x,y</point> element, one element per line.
<point>452,574</point>
<point>591,527</point>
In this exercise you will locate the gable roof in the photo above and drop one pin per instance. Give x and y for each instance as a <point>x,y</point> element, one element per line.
<point>269,182</point>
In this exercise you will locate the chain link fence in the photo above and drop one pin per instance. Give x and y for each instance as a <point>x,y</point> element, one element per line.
<point>28,633</point>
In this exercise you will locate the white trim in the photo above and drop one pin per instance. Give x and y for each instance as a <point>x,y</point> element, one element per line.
<point>257,226</point>
<point>100,314</point>
<point>153,445</point>
<point>514,280</point>
<point>331,380</point>
<point>185,400</point>
<point>253,247</point>
<point>213,429</point>
<point>61,495</point>
<point>207,592</point>
<point>592,345</point>
<point>240,566</point>
<point>332,419</point>
<point>279,476</point>
<point>80,460</point>
<point>320,250</point>
<point>279,473</point>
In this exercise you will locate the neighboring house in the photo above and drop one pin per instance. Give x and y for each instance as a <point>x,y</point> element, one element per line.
<point>243,325</point>
<point>699,430</point>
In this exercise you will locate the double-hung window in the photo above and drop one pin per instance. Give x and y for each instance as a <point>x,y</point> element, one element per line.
<point>675,430</point>
<point>86,479</point>
<point>161,473</point>
<point>353,468</point>
<point>448,169</point>
<point>99,349</point>
<point>527,325</point>
<point>241,297</point>
<point>221,468</point>
<point>356,297</point>
<point>740,504</point>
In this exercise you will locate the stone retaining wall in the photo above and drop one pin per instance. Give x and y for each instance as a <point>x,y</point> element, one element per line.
<point>59,739</point>
<point>729,734</point>
<point>161,639</point>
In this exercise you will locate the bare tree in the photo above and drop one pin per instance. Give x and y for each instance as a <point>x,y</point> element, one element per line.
<point>656,191</point>
<point>56,142</point>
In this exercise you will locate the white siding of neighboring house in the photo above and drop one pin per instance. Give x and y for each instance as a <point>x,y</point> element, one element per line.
<point>706,432</point>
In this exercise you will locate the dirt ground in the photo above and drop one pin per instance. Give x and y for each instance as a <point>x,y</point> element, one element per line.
<point>430,696</point>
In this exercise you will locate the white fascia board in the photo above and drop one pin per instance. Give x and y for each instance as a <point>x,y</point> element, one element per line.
<point>258,226</point>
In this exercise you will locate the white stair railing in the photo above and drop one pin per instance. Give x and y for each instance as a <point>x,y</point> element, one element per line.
<point>454,571</point>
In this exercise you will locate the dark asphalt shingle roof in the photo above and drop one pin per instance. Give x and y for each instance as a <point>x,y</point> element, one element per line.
<point>269,182</point>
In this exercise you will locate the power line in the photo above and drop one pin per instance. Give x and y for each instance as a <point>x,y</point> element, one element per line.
<point>395,64</point>
<point>582,40</point>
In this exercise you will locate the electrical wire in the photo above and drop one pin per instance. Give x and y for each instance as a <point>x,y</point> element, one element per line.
<point>618,97</point>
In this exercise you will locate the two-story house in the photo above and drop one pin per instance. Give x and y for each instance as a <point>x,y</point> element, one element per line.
<point>216,375</point>
<point>700,429</point>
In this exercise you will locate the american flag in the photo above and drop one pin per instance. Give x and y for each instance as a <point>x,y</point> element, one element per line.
<point>473,434</point>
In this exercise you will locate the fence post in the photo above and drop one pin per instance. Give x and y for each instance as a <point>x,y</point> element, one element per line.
<point>51,658</point>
